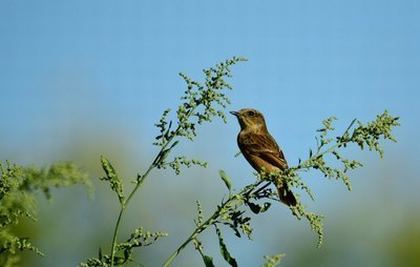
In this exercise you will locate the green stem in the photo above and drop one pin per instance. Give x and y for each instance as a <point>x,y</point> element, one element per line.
<point>181,247</point>
<point>154,164</point>
<point>139,182</point>
<point>114,236</point>
<point>209,222</point>
<point>117,224</point>
<point>194,234</point>
<point>329,150</point>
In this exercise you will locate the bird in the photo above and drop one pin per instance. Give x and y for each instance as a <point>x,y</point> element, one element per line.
<point>261,150</point>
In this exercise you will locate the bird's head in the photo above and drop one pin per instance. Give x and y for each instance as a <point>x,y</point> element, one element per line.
<point>250,119</point>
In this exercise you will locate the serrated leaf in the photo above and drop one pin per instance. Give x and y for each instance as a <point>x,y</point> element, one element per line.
<point>226,179</point>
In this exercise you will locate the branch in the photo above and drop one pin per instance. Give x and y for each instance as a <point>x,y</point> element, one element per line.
<point>231,213</point>
<point>201,103</point>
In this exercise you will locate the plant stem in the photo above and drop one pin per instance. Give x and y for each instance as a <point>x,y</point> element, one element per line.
<point>114,236</point>
<point>181,247</point>
<point>203,97</point>
<point>124,206</point>
<point>213,218</point>
<point>244,192</point>
<point>139,182</point>
<point>329,150</point>
<point>194,234</point>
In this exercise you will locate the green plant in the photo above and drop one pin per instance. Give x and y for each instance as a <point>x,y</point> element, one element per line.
<point>257,197</point>
<point>18,186</point>
<point>201,103</point>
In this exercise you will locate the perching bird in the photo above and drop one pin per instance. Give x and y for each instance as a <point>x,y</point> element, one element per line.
<point>261,150</point>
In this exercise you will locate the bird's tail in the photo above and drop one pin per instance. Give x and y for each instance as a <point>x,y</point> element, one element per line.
<point>286,195</point>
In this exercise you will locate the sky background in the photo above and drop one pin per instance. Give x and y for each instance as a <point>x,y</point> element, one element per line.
<point>83,78</point>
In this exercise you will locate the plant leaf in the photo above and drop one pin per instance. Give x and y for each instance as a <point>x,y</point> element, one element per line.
<point>208,261</point>
<point>226,179</point>
<point>224,251</point>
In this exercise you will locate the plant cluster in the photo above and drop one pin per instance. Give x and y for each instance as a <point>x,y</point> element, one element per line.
<point>18,188</point>
<point>201,102</point>
<point>235,212</point>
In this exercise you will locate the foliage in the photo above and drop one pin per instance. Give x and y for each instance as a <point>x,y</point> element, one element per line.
<point>18,186</point>
<point>202,102</point>
<point>139,238</point>
<point>255,198</point>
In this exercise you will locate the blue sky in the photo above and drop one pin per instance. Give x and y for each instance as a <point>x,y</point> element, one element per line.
<point>75,71</point>
<point>106,60</point>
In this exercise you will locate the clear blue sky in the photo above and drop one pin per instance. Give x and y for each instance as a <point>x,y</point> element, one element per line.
<point>87,68</point>
<point>117,61</point>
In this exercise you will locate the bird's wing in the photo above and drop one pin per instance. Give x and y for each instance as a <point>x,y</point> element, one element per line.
<point>265,147</point>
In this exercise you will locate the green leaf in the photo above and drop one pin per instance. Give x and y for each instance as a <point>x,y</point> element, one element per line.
<point>224,251</point>
<point>208,261</point>
<point>226,179</point>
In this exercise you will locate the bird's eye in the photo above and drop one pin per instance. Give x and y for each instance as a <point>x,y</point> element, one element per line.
<point>251,113</point>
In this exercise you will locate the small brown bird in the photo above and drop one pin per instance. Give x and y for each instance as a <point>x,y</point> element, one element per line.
<point>261,150</point>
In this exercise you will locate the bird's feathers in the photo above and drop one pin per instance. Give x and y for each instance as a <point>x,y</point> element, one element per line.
<point>262,148</point>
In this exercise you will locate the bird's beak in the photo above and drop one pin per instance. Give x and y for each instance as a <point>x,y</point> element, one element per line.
<point>234,113</point>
